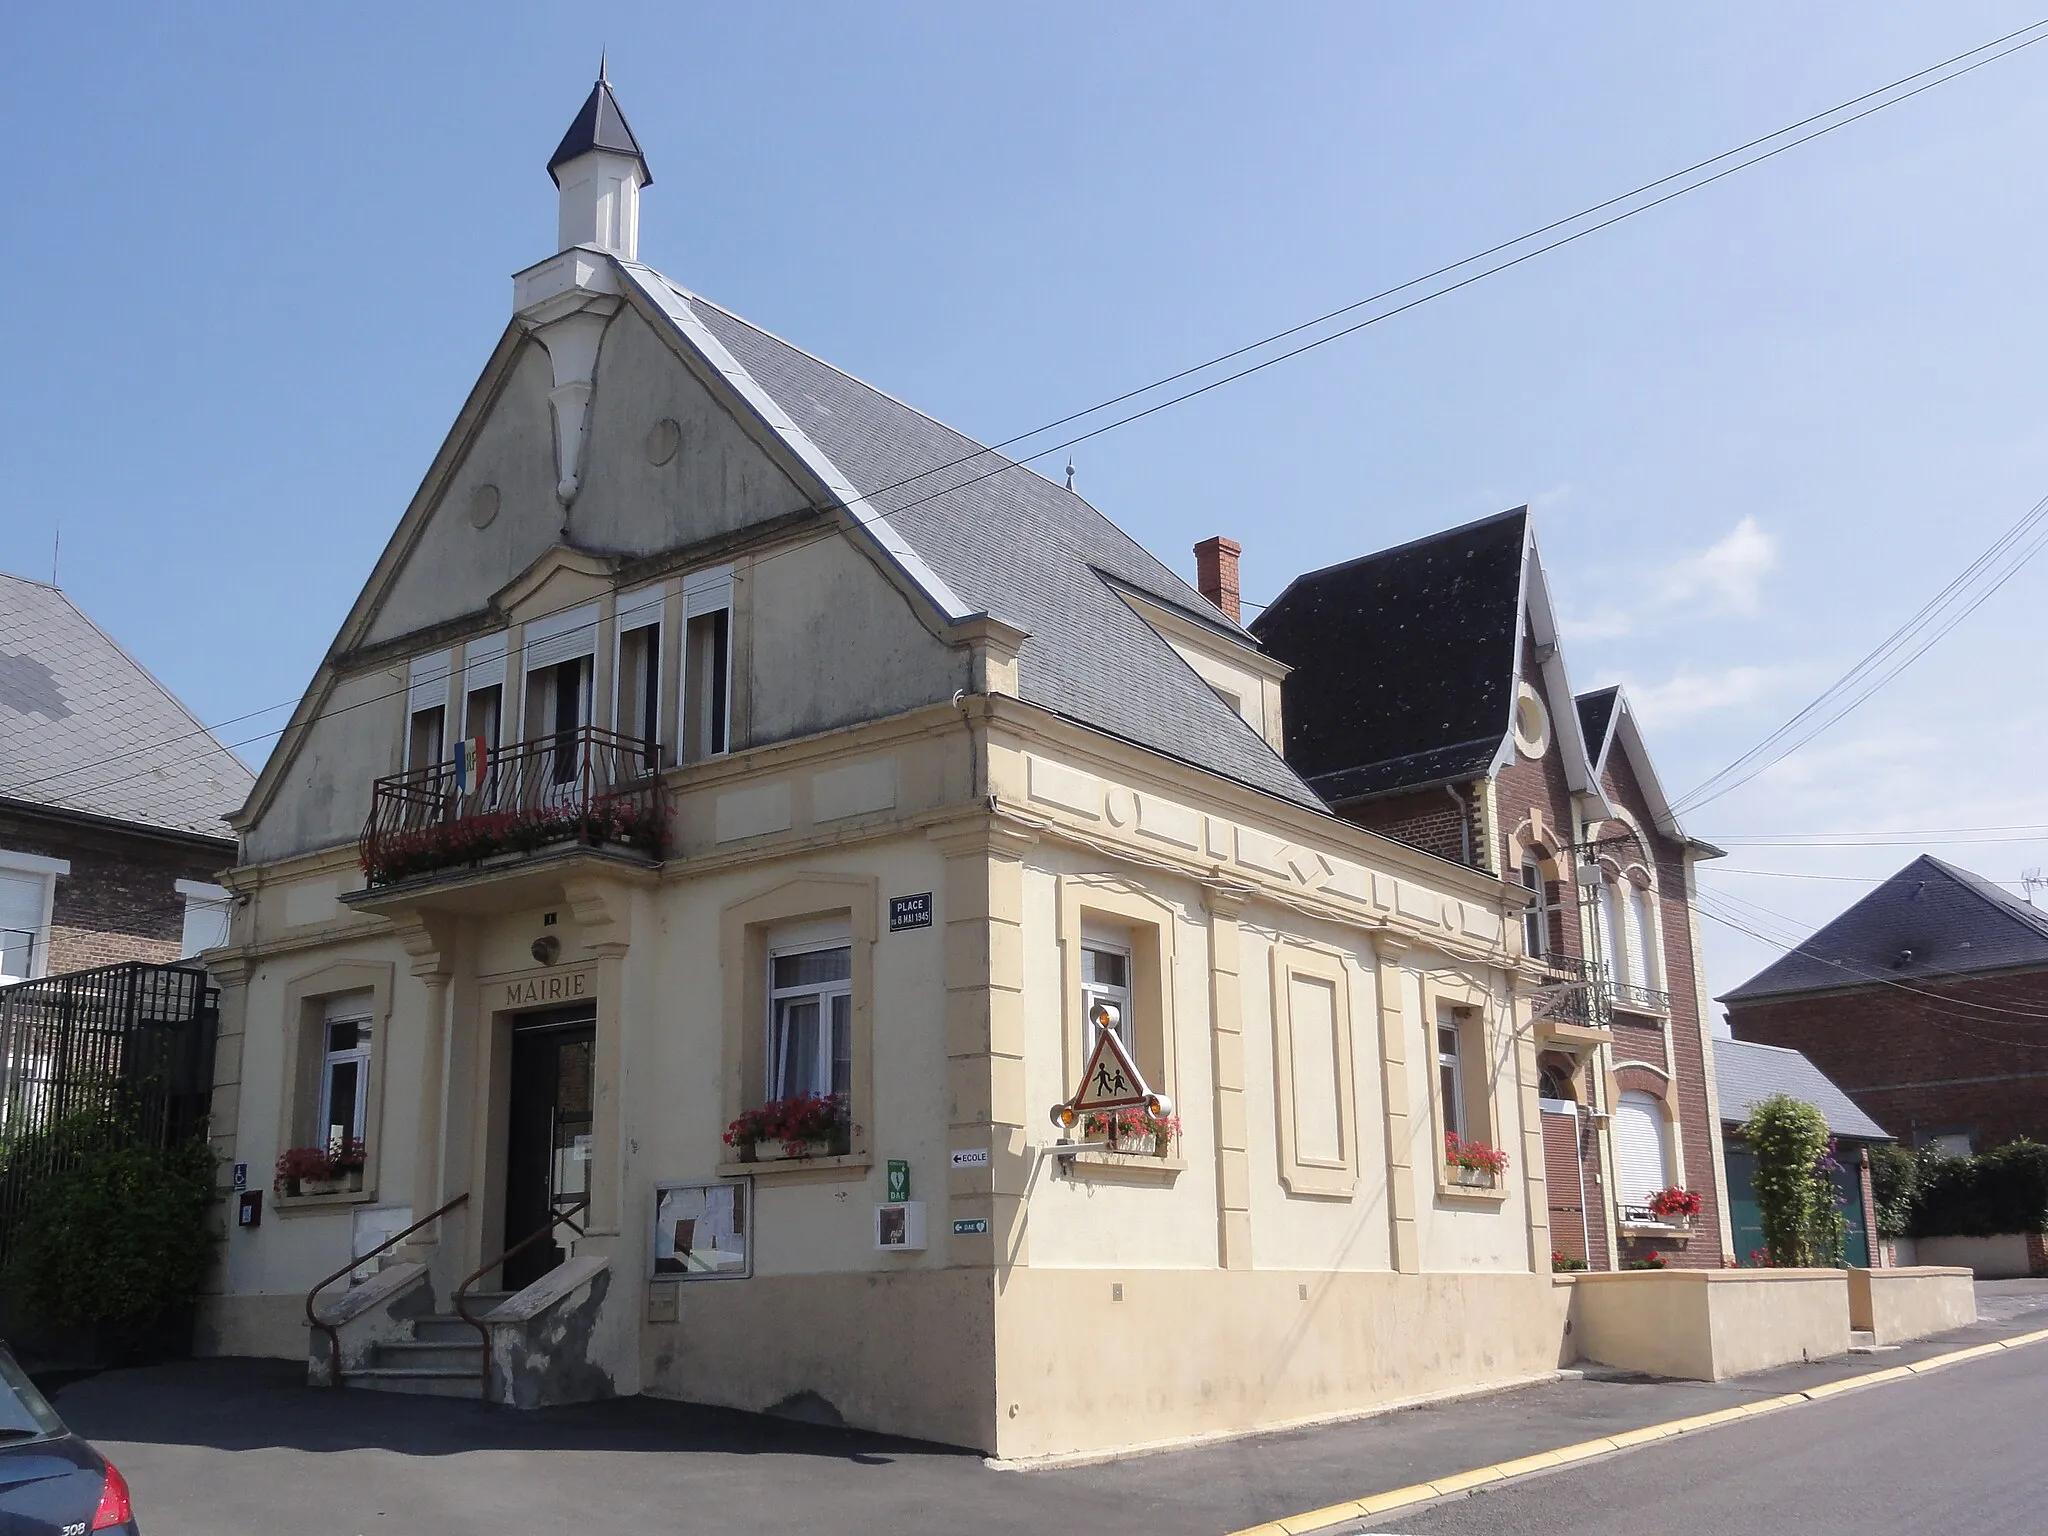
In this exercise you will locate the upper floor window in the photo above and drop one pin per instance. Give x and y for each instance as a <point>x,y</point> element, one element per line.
<point>1536,916</point>
<point>706,704</point>
<point>637,705</point>
<point>345,1070</point>
<point>426,705</point>
<point>483,691</point>
<point>206,917</point>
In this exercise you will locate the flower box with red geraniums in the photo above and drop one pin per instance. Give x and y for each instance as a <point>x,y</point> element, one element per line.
<point>801,1126</point>
<point>1133,1132</point>
<point>471,839</point>
<point>1678,1206</point>
<point>1651,1260</point>
<point>1473,1163</point>
<point>320,1170</point>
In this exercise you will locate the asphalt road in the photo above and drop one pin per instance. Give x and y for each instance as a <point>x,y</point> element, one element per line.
<point>1957,1452</point>
<point>244,1448</point>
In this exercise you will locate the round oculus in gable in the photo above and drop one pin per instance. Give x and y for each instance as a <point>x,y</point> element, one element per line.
<point>663,439</point>
<point>483,506</point>
<point>1532,722</point>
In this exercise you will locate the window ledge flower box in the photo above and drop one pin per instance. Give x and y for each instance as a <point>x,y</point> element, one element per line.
<point>780,1151</point>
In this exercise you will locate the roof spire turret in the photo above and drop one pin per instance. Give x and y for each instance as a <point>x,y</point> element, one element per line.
<point>599,170</point>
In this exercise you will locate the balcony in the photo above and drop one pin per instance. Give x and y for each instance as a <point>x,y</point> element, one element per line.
<point>1647,1001</point>
<point>582,787</point>
<point>1580,993</point>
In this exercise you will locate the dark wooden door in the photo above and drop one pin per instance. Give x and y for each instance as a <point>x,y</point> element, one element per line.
<point>547,1155</point>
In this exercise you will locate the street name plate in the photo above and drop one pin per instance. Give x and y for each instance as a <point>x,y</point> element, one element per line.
<point>910,911</point>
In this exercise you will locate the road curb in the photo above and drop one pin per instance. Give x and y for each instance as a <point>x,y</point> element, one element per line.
<point>1394,1499</point>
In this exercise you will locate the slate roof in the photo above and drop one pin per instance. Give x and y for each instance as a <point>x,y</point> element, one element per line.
<point>84,728</point>
<point>1596,714</point>
<point>1017,547</point>
<point>1930,919</point>
<point>1746,1074</point>
<point>1404,660</point>
<point>599,124</point>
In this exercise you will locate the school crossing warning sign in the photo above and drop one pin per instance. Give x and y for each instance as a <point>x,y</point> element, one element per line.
<point>1111,1081</point>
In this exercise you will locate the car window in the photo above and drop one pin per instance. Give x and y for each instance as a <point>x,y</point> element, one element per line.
<point>23,1411</point>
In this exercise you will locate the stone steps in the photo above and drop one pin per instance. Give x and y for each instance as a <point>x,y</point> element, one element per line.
<point>443,1358</point>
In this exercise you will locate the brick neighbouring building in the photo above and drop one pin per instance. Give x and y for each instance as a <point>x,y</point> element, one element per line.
<point>1927,1001</point>
<point>111,800</point>
<point>1429,701</point>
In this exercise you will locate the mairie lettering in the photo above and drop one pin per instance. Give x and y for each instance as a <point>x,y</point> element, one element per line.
<point>566,988</point>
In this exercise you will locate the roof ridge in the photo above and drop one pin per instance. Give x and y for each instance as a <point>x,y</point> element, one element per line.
<point>2000,901</point>
<point>1415,543</point>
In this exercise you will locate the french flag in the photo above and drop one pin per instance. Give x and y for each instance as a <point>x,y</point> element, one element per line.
<point>472,757</point>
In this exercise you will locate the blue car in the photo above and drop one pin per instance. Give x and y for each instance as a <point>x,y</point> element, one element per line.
<point>51,1482</point>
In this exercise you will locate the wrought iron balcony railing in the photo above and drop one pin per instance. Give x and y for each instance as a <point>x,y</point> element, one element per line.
<point>1629,998</point>
<point>1578,991</point>
<point>582,786</point>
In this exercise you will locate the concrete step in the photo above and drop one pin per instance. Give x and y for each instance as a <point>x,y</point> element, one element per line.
<point>1858,1339</point>
<point>445,1330</point>
<point>418,1380</point>
<point>453,1355</point>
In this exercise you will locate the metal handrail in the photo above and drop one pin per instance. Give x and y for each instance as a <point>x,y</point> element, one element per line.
<point>333,1335</point>
<point>462,1290</point>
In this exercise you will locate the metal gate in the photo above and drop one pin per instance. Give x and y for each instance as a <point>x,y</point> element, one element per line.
<point>128,1044</point>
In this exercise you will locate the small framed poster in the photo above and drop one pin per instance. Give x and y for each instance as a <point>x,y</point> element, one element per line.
<point>704,1231</point>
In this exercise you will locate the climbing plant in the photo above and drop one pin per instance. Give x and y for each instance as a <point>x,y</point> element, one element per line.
<point>1795,1194</point>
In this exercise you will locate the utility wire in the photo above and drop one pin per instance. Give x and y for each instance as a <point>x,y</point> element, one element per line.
<point>1880,98</point>
<point>1963,596</point>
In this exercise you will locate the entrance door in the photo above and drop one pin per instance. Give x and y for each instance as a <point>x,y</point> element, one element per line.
<point>547,1156</point>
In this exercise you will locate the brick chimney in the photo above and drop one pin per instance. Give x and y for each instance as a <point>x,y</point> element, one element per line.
<point>1216,573</point>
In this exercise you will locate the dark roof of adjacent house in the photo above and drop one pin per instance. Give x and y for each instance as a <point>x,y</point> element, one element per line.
<point>85,729</point>
<point>1596,715</point>
<point>599,124</point>
<point>1746,1074</point>
<point>1930,919</point>
<point>1404,660</point>
<point>1009,543</point>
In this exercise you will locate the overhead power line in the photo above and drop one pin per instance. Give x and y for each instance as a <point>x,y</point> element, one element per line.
<point>1963,596</point>
<point>1622,206</point>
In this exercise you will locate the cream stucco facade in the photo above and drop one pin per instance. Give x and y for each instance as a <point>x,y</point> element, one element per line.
<point>621,495</point>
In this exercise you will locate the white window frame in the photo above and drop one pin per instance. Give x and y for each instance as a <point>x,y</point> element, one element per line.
<point>1452,1061</point>
<point>50,871</point>
<point>644,609</point>
<point>429,683</point>
<point>786,946</point>
<point>548,642</point>
<point>358,1009</point>
<point>1632,1102</point>
<point>704,592</point>
<point>1117,997</point>
<point>486,664</point>
<point>1536,917</point>
<point>203,897</point>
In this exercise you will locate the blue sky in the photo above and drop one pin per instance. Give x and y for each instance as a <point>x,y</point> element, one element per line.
<point>258,255</point>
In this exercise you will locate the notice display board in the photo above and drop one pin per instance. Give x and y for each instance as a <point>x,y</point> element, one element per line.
<point>703,1231</point>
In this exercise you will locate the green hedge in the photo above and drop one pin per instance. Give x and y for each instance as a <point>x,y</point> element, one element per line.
<point>112,1232</point>
<point>2005,1190</point>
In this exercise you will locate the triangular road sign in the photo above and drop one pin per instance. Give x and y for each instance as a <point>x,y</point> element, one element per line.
<point>1111,1080</point>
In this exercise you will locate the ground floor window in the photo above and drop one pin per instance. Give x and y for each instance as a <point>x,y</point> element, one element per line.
<point>810,1022</point>
<point>1642,1165</point>
<point>1106,996</point>
<point>345,1071</point>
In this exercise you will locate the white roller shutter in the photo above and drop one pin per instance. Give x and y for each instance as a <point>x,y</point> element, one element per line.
<point>427,687</point>
<point>1639,1148</point>
<point>560,637</point>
